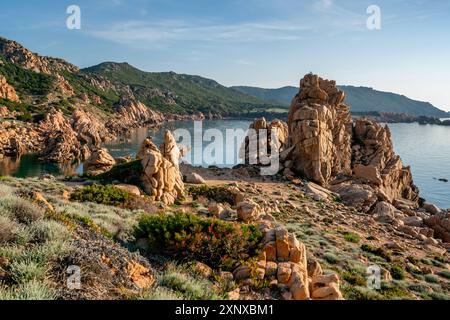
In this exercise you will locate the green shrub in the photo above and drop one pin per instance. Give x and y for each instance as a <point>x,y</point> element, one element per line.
<point>8,230</point>
<point>184,284</point>
<point>445,274</point>
<point>33,290</point>
<point>397,272</point>
<point>42,231</point>
<point>431,278</point>
<point>352,237</point>
<point>330,258</point>
<point>376,251</point>
<point>220,194</point>
<point>128,173</point>
<point>23,210</point>
<point>25,271</point>
<point>108,195</point>
<point>214,242</point>
<point>354,278</point>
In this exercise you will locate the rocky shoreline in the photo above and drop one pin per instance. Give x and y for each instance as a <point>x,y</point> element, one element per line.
<point>385,117</point>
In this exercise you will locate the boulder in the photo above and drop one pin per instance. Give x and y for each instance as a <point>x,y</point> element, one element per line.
<point>440,223</point>
<point>161,178</point>
<point>7,91</point>
<point>248,211</point>
<point>99,162</point>
<point>384,212</point>
<point>129,188</point>
<point>194,178</point>
<point>319,193</point>
<point>264,140</point>
<point>431,208</point>
<point>360,196</point>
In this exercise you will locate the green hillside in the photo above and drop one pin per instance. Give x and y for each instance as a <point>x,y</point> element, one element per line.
<point>181,93</point>
<point>360,99</point>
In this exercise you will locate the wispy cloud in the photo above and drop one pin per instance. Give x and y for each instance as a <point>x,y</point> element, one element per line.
<point>135,32</point>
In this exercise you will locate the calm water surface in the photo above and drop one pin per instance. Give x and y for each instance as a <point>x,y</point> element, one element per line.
<point>425,148</point>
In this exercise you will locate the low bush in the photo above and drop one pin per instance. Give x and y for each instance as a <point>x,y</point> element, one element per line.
<point>108,195</point>
<point>431,278</point>
<point>397,272</point>
<point>189,287</point>
<point>220,194</point>
<point>352,237</point>
<point>112,196</point>
<point>445,274</point>
<point>23,210</point>
<point>217,243</point>
<point>376,251</point>
<point>33,290</point>
<point>129,173</point>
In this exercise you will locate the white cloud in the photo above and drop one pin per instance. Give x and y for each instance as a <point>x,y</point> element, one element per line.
<point>135,32</point>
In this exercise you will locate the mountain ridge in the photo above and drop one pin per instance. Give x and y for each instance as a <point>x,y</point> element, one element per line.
<point>359,98</point>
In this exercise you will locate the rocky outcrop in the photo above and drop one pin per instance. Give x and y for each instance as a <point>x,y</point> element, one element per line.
<point>259,143</point>
<point>100,161</point>
<point>7,91</point>
<point>132,113</point>
<point>17,139</point>
<point>16,53</point>
<point>356,160</point>
<point>440,223</point>
<point>320,129</point>
<point>61,142</point>
<point>90,129</point>
<point>162,179</point>
<point>284,262</point>
<point>375,162</point>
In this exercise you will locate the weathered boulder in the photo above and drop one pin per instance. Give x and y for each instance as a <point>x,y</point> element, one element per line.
<point>264,140</point>
<point>440,223</point>
<point>248,211</point>
<point>431,208</point>
<point>194,178</point>
<point>360,196</point>
<point>100,161</point>
<point>161,178</point>
<point>7,91</point>
<point>384,212</point>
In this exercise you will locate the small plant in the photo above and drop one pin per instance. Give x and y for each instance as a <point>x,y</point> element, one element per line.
<point>352,237</point>
<point>445,274</point>
<point>330,258</point>
<point>376,251</point>
<point>220,194</point>
<point>186,285</point>
<point>214,242</point>
<point>23,210</point>
<point>354,278</point>
<point>431,278</point>
<point>397,272</point>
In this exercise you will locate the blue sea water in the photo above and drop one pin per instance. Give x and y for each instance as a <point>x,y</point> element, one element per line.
<point>426,148</point>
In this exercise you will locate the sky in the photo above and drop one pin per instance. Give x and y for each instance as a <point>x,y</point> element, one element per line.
<point>264,43</point>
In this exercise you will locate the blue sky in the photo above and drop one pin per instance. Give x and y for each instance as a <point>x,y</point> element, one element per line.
<point>266,43</point>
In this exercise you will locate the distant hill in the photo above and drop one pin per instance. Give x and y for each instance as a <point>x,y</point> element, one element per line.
<point>360,99</point>
<point>180,93</point>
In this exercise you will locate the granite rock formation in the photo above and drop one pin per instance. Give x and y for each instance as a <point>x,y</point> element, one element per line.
<point>354,159</point>
<point>161,178</point>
